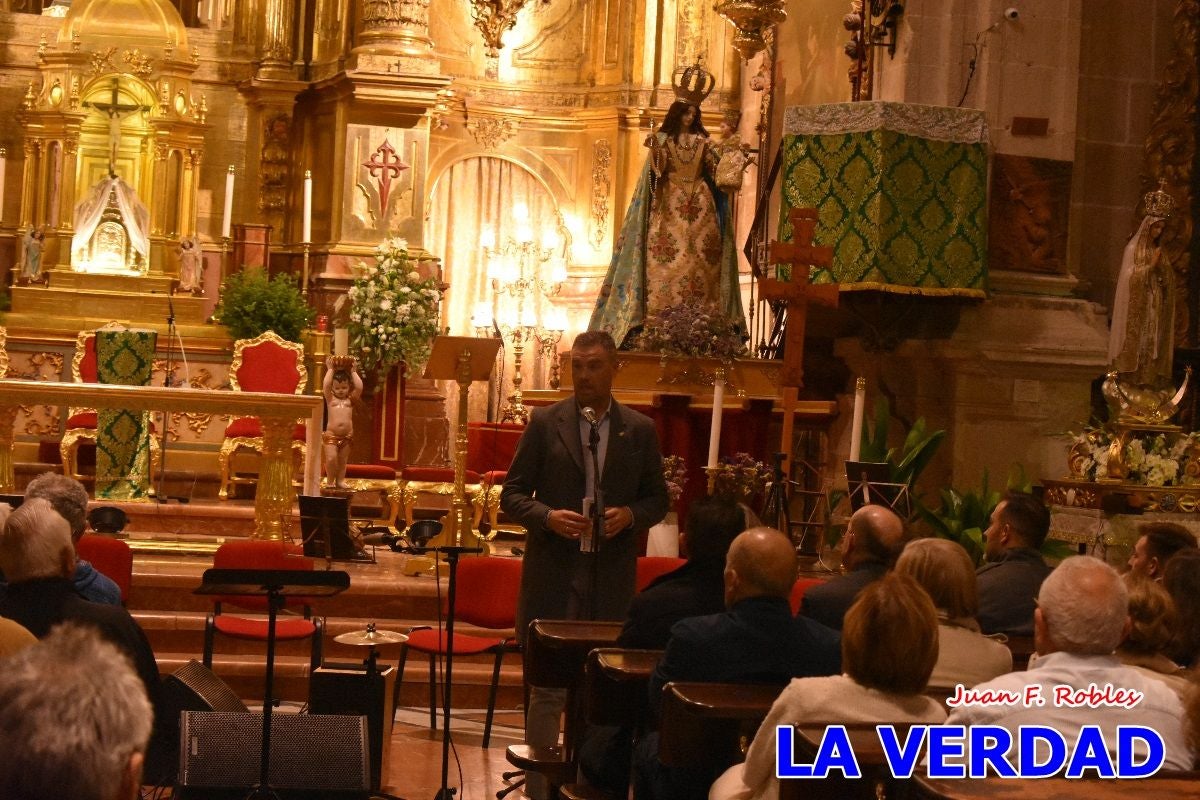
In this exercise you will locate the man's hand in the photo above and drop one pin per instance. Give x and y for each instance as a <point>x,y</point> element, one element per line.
<point>567,524</point>
<point>616,520</point>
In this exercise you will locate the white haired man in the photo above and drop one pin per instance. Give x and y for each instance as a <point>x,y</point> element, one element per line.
<point>1082,615</point>
<point>57,745</point>
<point>70,500</point>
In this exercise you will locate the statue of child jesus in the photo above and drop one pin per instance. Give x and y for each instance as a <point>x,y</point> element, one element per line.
<point>342,388</point>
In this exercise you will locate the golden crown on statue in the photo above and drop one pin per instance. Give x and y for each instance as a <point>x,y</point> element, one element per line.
<point>693,84</point>
<point>1159,203</point>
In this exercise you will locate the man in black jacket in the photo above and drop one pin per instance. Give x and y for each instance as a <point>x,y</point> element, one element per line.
<point>1015,569</point>
<point>874,538</point>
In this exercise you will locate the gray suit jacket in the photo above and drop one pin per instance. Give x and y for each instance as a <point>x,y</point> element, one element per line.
<point>547,473</point>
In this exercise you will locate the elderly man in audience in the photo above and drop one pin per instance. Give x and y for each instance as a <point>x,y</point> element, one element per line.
<point>694,589</point>
<point>944,570</point>
<point>1157,542</point>
<point>74,720</point>
<point>37,555</point>
<point>1015,569</point>
<point>889,648</point>
<point>756,640</point>
<point>70,500</point>
<point>1153,619</point>
<point>1081,617</point>
<point>874,537</point>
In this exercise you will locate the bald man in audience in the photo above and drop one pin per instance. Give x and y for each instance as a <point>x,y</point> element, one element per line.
<point>1081,617</point>
<point>756,640</point>
<point>1157,542</point>
<point>1015,569</point>
<point>874,538</point>
<point>74,720</point>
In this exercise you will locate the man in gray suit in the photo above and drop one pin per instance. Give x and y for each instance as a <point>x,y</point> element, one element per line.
<point>565,575</point>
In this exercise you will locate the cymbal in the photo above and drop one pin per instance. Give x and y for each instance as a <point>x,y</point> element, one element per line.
<point>370,638</point>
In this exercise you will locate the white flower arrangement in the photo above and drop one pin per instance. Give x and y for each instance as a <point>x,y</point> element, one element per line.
<point>393,310</point>
<point>1152,461</point>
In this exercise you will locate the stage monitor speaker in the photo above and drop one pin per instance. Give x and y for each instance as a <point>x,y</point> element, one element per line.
<point>312,755</point>
<point>192,687</point>
<point>325,528</point>
<point>351,689</point>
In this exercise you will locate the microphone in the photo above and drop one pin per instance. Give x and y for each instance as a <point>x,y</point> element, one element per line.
<point>171,309</point>
<point>590,415</point>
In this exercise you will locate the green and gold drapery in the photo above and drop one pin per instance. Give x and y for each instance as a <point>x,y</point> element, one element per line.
<point>124,357</point>
<point>901,193</point>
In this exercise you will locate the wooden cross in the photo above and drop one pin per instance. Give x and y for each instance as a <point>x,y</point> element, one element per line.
<point>802,255</point>
<point>116,111</point>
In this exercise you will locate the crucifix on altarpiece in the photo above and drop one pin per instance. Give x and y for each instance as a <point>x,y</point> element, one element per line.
<point>116,111</point>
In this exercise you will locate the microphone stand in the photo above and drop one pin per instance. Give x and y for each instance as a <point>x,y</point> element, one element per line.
<point>168,382</point>
<point>597,518</point>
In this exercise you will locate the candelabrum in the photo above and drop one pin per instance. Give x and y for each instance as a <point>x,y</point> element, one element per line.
<point>516,269</point>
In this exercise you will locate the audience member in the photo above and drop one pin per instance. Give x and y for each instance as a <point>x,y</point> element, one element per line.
<point>756,640</point>
<point>70,500</point>
<point>694,589</point>
<point>873,539</point>
<point>1157,542</point>
<point>74,720</point>
<point>1015,569</point>
<point>1080,619</point>
<point>889,648</point>
<point>944,570</point>
<point>1181,579</point>
<point>38,557</point>
<point>1153,620</point>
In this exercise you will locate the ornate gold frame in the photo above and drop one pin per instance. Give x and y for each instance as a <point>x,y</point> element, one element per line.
<point>231,445</point>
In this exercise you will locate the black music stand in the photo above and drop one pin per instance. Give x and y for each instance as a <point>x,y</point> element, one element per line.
<point>276,585</point>
<point>870,483</point>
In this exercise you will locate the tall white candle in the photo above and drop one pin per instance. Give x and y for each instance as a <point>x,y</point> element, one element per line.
<point>860,400</point>
<point>3,165</point>
<point>341,341</point>
<point>227,219</point>
<point>714,435</point>
<point>306,236</point>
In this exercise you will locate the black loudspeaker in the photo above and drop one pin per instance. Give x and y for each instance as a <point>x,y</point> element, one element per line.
<point>312,756</point>
<point>325,528</point>
<point>350,689</point>
<point>192,687</point>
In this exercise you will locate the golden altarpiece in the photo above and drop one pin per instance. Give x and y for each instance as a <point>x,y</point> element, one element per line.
<point>390,106</point>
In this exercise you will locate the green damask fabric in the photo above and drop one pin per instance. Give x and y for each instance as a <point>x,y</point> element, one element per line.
<point>125,358</point>
<point>903,213</point>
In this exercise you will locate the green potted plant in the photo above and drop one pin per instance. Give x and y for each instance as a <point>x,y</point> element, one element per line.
<point>251,303</point>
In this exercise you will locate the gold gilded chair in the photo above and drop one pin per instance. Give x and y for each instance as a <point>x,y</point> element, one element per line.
<point>266,363</point>
<point>81,422</point>
<point>437,481</point>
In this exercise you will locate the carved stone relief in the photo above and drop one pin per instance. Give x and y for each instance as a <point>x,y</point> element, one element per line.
<point>380,200</point>
<point>563,25</point>
<point>1028,214</point>
<point>491,132</point>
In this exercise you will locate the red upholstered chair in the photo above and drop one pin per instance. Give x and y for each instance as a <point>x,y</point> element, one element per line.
<point>111,557</point>
<point>289,625</point>
<point>437,481</point>
<point>650,567</point>
<point>265,363</point>
<point>81,422</point>
<point>486,597</point>
<point>490,449</point>
<point>801,586</point>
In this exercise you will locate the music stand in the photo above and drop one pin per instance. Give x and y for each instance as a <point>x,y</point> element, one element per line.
<point>464,359</point>
<point>870,483</point>
<point>275,585</point>
<point>325,529</point>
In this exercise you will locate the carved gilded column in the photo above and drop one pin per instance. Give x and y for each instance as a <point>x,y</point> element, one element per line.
<point>41,196</point>
<point>187,192</point>
<point>396,27</point>
<point>159,188</point>
<point>278,32</point>
<point>29,183</point>
<point>8,480</point>
<point>66,196</point>
<point>274,495</point>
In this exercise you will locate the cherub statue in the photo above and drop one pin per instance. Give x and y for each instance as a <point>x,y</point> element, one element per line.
<point>31,255</point>
<point>342,388</point>
<point>191,266</point>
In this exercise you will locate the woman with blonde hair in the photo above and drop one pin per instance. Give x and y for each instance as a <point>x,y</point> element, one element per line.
<point>966,656</point>
<point>1153,620</point>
